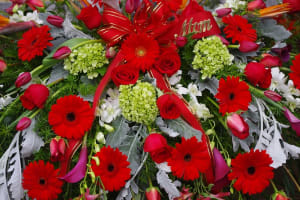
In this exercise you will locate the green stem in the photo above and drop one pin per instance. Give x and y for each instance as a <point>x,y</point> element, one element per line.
<point>213,102</point>
<point>86,42</point>
<point>233,46</point>
<point>149,179</point>
<point>274,186</point>
<point>285,69</point>
<point>34,114</point>
<point>292,177</point>
<point>38,70</point>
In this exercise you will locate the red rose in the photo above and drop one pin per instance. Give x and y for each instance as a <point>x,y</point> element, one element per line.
<point>124,75</point>
<point>168,63</point>
<point>158,148</point>
<point>35,96</point>
<point>167,106</point>
<point>258,75</point>
<point>90,17</point>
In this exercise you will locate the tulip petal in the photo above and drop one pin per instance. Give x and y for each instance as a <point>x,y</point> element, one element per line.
<point>294,121</point>
<point>221,168</point>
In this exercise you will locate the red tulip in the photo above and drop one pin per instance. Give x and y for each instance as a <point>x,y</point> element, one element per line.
<point>224,41</point>
<point>238,126</point>
<point>257,74</point>
<point>271,61</point>
<point>248,46</point>
<point>222,12</point>
<point>294,121</point>
<point>221,171</point>
<point>35,96</point>
<point>23,124</point>
<point>181,41</point>
<point>55,20</point>
<point>57,149</point>
<point>3,66</point>
<point>62,53</point>
<point>152,194</point>
<point>23,79</point>
<point>257,4</point>
<point>272,95</point>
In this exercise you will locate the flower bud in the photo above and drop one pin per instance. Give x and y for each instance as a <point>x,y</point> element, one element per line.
<point>272,95</point>
<point>3,66</point>
<point>152,194</point>
<point>96,159</point>
<point>294,121</point>
<point>257,4</point>
<point>248,46</point>
<point>35,95</point>
<point>129,6</point>
<point>280,195</point>
<point>23,79</point>
<point>181,41</point>
<point>224,41</point>
<point>223,12</point>
<point>23,124</point>
<point>110,52</point>
<point>62,53</point>
<point>109,128</point>
<point>100,138</point>
<point>238,126</point>
<point>55,20</point>
<point>271,61</point>
<point>57,149</point>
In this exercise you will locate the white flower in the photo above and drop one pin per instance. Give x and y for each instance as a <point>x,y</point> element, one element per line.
<point>200,110</point>
<point>113,94</point>
<point>30,16</point>
<point>234,4</point>
<point>278,80</point>
<point>292,90</point>
<point>173,80</point>
<point>192,90</point>
<point>4,101</point>
<point>292,102</point>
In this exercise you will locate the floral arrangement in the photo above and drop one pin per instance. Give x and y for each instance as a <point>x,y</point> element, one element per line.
<point>150,99</point>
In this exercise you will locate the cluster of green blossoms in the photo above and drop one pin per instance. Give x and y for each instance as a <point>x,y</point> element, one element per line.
<point>138,102</point>
<point>211,55</point>
<point>88,58</point>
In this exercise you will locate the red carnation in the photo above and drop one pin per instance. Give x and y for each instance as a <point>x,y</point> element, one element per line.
<point>168,62</point>
<point>167,106</point>
<point>189,159</point>
<point>35,96</point>
<point>71,117</point>
<point>239,29</point>
<point>233,95</point>
<point>252,171</point>
<point>112,168</point>
<point>295,74</point>
<point>33,42</point>
<point>140,50</point>
<point>41,180</point>
<point>158,148</point>
<point>90,17</point>
<point>124,75</point>
<point>257,74</point>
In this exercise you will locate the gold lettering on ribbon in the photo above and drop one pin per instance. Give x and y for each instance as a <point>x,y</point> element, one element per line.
<point>196,27</point>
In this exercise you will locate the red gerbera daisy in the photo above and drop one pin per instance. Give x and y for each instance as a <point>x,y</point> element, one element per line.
<point>295,74</point>
<point>112,169</point>
<point>41,181</point>
<point>140,50</point>
<point>71,117</point>
<point>252,171</point>
<point>233,95</point>
<point>189,159</point>
<point>239,29</point>
<point>33,43</point>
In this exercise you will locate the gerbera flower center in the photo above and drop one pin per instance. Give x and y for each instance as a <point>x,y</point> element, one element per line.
<point>42,181</point>
<point>110,167</point>
<point>71,116</point>
<point>140,51</point>
<point>231,96</point>
<point>251,170</point>
<point>187,157</point>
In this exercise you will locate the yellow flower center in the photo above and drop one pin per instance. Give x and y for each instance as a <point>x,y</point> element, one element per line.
<point>140,51</point>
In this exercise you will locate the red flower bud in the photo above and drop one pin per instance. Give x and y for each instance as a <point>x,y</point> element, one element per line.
<point>110,52</point>
<point>3,66</point>
<point>23,124</point>
<point>248,46</point>
<point>90,17</point>
<point>152,194</point>
<point>62,53</point>
<point>257,4</point>
<point>35,96</point>
<point>224,41</point>
<point>23,79</point>
<point>129,6</point>
<point>181,41</point>
<point>222,12</point>
<point>57,149</point>
<point>294,121</point>
<point>55,20</point>
<point>272,95</point>
<point>293,4</point>
<point>271,61</point>
<point>35,3</point>
<point>258,75</point>
<point>238,126</point>
<point>281,197</point>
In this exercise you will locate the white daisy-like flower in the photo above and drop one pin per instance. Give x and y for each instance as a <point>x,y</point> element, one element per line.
<point>200,110</point>
<point>192,90</point>
<point>278,80</point>
<point>30,16</point>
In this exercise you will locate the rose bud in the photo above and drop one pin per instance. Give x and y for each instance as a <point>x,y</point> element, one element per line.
<point>35,3</point>
<point>167,107</point>
<point>293,4</point>
<point>110,52</point>
<point>181,41</point>
<point>258,75</point>
<point>23,79</point>
<point>55,20</point>
<point>224,41</point>
<point>3,66</point>
<point>158,147</point>
<point>222,12</point>
<point>238,126</point>
<point>35,96</point>
<point>272,95</point>
<point>280,196</point>
<point>271,61</point>
<point>23,124</point>
<point>248,46</point>
<point>152,194</point>
<point>90,17</point>
<point>129,6</point>
<point>57,149</point>
<point>168,62</point>
<point>62,53</point>
<point>294,121</point>
<point>257,4</point>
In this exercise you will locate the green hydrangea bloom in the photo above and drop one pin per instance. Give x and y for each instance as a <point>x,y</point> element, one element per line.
<point>88,58</point>
<point>138,102</point>
<point>211,55</point>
